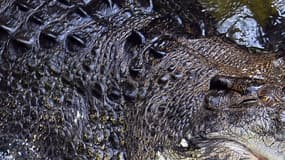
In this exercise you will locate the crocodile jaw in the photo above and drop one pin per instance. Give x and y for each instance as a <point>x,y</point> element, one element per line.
<point>257,148</point>
<point>260,139</point>
<point>225,147</point>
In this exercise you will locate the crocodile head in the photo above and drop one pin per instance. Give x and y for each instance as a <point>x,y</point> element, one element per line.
<point>178,120</point>
<point>233,126</point>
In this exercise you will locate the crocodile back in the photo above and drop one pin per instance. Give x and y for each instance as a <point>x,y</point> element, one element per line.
<point>101,79</point>
<point>69,72</point>
<point>60,73</point>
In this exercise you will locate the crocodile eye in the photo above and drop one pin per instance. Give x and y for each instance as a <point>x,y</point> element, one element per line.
<point>267,100</point>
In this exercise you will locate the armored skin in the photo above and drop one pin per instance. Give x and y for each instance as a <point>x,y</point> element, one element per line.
<point>119,80</point>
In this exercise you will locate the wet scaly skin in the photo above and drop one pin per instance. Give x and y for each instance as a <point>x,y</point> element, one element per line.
<point>88,80</point>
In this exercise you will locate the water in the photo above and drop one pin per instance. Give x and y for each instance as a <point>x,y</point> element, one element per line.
<point>248,23</point>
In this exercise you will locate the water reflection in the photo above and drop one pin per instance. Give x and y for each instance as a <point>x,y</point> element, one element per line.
<point>243,28</point>
<point>245,21</point>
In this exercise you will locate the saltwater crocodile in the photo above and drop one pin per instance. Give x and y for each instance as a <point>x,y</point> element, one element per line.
<point>119,80</point>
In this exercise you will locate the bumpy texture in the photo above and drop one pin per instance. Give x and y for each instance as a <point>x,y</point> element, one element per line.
<point>107,79</point>
<point>61,64</point>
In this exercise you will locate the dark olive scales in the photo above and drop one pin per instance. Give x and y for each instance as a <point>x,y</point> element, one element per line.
<point>107,79</point>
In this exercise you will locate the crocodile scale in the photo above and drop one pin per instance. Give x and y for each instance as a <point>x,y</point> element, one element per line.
<point>96,79</point>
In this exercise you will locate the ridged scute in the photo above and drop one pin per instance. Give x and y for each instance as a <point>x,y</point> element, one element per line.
<point>60,74</point>
<point>102,79</point>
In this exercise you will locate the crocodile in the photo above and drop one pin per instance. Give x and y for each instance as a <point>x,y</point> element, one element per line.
<point>124,80</point>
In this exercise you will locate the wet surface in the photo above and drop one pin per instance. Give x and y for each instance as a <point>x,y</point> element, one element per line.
<point>124,79</point>
<point>249,23</point>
